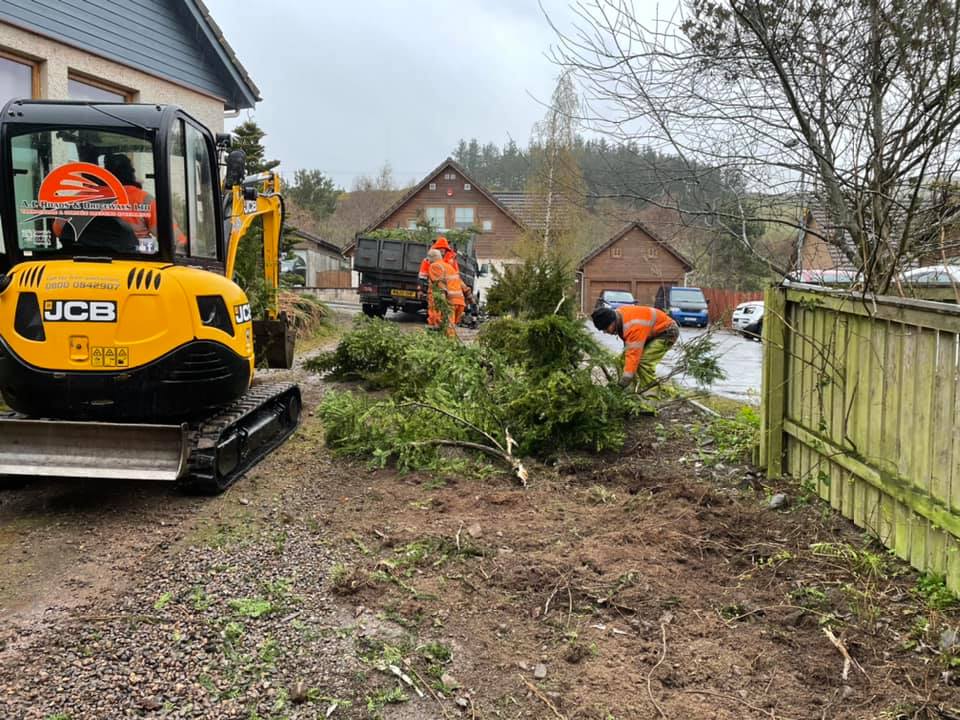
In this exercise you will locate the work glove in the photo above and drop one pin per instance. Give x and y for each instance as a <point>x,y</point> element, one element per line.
<point>625,381</point>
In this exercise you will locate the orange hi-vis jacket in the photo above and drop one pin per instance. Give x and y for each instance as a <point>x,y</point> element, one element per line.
<point>638,323</point>
<point>449,257</point>
<point>448,279</point>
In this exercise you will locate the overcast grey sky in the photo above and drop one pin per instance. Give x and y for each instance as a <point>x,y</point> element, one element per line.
<point>349,85</point>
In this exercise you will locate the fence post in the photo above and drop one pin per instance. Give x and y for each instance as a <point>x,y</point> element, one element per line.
<point>773,393</point>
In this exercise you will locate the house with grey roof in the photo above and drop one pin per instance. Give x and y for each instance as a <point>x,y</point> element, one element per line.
<point>153,51</point>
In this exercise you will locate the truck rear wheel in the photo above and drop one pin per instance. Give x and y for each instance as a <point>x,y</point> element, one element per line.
<point>371,310</point>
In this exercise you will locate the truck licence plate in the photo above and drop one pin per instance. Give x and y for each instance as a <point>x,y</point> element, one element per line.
<point>403,293</point>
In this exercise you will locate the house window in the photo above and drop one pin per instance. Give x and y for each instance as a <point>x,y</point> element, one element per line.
<point>433,186</point>
<point>653,252</point>
<point>450,176</point>
<point>436,217</point>
<point>82,88</point>
<point>488,225</point>
<point>616,252</point>
<point>18,78</point>
<point>466,186</point>
<point>463,217</point>
<point>412,224</point>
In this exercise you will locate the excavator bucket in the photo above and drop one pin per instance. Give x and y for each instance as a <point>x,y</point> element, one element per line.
<point>55,448</point>
<point>273,342</point>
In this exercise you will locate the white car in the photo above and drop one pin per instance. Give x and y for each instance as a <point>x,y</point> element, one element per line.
<point>748,318</point>
<point>932,275</point>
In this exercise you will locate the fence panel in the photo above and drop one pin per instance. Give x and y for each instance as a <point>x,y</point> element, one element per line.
<point>722,303</point>
<point>861,404</point>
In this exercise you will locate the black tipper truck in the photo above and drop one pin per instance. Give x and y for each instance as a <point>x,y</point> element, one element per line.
<point>389,271</point>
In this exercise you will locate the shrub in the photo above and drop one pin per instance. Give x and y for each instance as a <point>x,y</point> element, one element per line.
<point>533,289</point>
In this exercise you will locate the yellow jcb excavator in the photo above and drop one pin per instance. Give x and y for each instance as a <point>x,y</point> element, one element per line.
<point>126,349</point>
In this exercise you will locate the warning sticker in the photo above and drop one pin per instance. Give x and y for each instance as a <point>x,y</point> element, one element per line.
<point>109,357</point>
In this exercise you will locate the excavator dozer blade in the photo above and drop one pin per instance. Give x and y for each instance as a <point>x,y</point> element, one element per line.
<point>55,448</point>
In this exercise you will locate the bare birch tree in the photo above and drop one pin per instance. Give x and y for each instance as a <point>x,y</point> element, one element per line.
<point>556,182</point>
<point>850,106</point>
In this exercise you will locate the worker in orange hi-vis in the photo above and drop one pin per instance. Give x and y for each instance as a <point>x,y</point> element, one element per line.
<point>445,296</point>
<point>448,254</point>
<point>647,334</point>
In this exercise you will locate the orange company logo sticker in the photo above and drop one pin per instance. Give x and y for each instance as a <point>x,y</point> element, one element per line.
<point>81,182</point>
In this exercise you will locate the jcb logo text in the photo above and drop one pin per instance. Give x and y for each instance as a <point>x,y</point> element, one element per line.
<point>242,314</point>
<point>80,311</point>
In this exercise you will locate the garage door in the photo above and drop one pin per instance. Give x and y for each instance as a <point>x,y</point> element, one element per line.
<point>598,286</point>
<point>646,292</point>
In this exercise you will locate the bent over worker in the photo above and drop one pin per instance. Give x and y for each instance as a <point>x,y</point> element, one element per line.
<point>647,334</point>
<point>444,283</point>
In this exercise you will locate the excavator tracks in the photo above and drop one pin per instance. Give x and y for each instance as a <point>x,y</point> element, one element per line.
<point>226,445</point>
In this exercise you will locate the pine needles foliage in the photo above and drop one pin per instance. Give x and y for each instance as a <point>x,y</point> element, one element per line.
<point>542,285</point>
<point>527,388</point>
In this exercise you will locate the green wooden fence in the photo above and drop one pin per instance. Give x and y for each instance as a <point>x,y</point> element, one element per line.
<point>861,403</point>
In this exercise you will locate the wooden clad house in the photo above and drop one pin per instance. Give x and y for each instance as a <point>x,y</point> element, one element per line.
<point>635,260</point>
<point>449,198</point>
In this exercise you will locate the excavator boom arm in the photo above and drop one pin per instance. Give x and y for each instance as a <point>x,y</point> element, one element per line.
<point>258,196</point>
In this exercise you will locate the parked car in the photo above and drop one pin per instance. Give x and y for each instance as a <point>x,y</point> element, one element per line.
<point>615,298</point>
<point>937,275</point>
<point>748,319</point>
<point>293,271</point>
<point>686,305</point>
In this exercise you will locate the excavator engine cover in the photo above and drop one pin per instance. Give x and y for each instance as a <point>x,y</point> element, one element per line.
<point>273,341</point>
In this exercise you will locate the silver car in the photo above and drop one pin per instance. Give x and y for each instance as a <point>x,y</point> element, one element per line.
<point>748,318</point>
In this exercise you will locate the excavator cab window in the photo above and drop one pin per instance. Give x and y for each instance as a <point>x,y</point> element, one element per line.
<point>192,192</point>
<point>84,191</point>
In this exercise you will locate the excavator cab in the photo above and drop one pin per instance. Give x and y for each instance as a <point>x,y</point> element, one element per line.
<point>118,304</point>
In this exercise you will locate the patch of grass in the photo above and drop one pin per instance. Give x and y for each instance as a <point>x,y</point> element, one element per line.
<point>163,601</point>
<point>599,495</point>
<point>279,589</point>
<point>316,695</point>
<point>269,651</point>
<point>279,542</point>
<point>380,699</point>
<point>252,607</point>
<point>206,682</point>
<point>58,716</point>
<point>392,614</point>
<point>932,587</point>
<point>199,599</point>
<point>732,612</point>
<point>809,597</point>
<point>345,579</point>
<point>233,631</point>
<point>862,561</point>
<point>432,551</point>
<point>436,652</point>
<point>733,438</point>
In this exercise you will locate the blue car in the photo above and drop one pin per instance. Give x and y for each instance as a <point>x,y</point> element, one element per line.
<point>686,305</point>
<point>615,298</point>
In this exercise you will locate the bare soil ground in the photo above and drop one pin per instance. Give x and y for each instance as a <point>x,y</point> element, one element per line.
<point>648,584</point>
